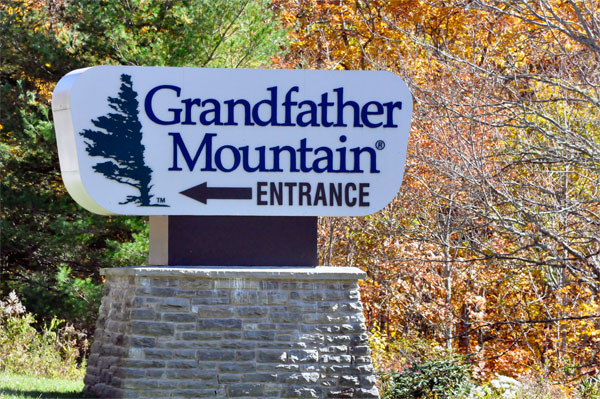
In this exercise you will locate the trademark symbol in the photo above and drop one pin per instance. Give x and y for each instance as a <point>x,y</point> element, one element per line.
<point>160,200</point>
<point>380,144</point>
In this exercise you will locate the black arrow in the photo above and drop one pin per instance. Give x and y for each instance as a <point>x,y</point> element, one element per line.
<point>202,193</point>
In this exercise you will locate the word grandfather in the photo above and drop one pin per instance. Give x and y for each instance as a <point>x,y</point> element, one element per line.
<point>329,111</point>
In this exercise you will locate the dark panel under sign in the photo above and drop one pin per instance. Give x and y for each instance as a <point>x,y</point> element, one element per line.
<point>242,241</point>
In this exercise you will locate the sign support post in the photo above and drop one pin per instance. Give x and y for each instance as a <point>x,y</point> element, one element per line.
<point>233,241</point>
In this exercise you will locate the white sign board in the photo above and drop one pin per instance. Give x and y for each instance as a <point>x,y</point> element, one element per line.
<point>191,141</point>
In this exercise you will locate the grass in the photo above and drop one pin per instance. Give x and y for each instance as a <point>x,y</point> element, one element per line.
<point>27,387</point>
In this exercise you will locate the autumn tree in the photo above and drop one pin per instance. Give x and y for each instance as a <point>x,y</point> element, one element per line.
<point>492,244</point>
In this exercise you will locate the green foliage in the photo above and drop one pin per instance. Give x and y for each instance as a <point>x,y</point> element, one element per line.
<point>392,352</point>
<point>42,230</point>
<point>128,253</point>
<point>589,388</point>
<point>50,352</point>
<point>210,33</point>
<point>436,372</point>
<point>432,379</point>
<point>62,295</point>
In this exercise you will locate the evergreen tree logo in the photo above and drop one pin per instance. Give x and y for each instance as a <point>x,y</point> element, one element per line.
<point>121,143</point>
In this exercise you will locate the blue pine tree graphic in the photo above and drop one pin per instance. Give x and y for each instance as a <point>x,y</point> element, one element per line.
<point>121,143</point>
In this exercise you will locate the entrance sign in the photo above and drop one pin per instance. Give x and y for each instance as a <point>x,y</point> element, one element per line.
<point>191,141</point>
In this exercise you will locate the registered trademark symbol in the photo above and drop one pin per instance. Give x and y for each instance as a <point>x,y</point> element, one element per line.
<point>380,144</point>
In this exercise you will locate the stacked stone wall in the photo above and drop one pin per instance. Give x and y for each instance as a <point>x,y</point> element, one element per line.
<point>218,334</point>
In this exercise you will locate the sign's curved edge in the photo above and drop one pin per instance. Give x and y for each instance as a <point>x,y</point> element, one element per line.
<point>65,138</point>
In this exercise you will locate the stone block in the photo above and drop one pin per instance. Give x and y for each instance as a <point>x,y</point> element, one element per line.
<point>338,339</point>
<point>195,284</point>
<point>302,392</point>
<point>248,297</point>
<point>277,297</point>
<point>215,293</point>
<point>185,354</point>
<point>353,295</point>
<point>192,344</point>
<point>216,355</point>
<point>362,359</point>
<point>185,293</point>
<point>237,368</point>
<point>367,393</point>
<point>180,327</point>
<point>279,367</point>
<point>244,356</point>
<point>285,345</point>
<point>174,305</point>
<point>188,374</point>
<point>271,356</point>
<point>123,372</point>
<point>352,328</point>
<point>213,312</point>
<point>158,354</point>
<point>198,384</point>
<point>361,350</point>
<point>155,373</point>
<point>343,393</point>
<point>238,284</point>
<point>179,318</point>
<point>93,358</point>
<point>231,334</point>
<point>210,301</point>
<point>155,291</point>
<point>140,363</point>
<point>365,369</point>
<point>259,335</point>
<point>159,282</point>
<point>368,381</point>
<point>303,356</point>
<point>142,342</point>
<point>229,378</point>
<point>312,295</point>
<point>245,389</point>
<point>337,369</point>
<point>142,314</point>
<point>340,349</point>
<point>230,344</point>
<point>201,335</point>
<point>349,381</point>
<point>310,285</point>
<point>135,353</point>
<point>259,377</point>
<point>336,359</point>
<point>152,328</point>
<point>312,339</point>
<point>252,311</point>
<point>285,317</point>
<point>146,384</point>
<point>220,324</point>
<point>269,285</point>
<point>305,378</point>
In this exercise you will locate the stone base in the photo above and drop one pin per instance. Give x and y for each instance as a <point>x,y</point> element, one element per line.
<point>258,332</point>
